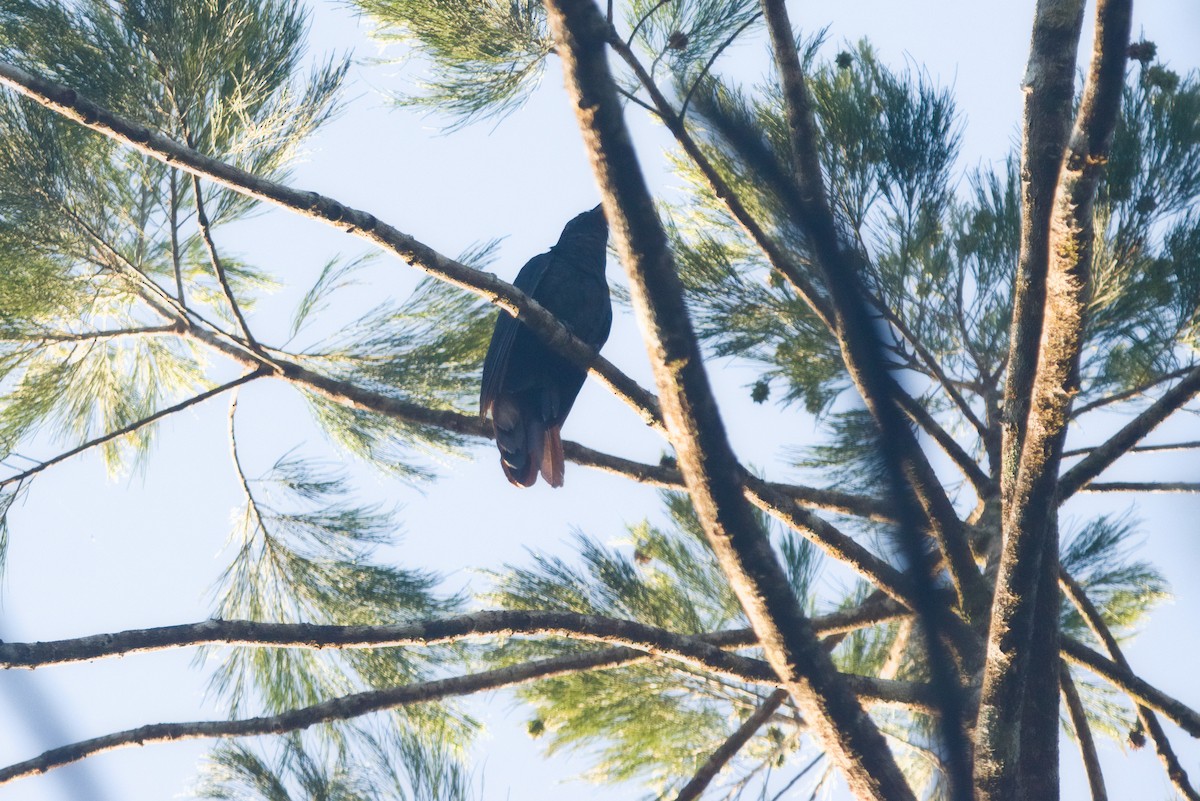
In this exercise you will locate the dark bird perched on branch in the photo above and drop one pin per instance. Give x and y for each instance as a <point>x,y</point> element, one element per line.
<point>529,388</point>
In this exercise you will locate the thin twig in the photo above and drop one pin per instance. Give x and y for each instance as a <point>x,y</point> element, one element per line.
<point>219,269</point>
<point>713,59</point>
<point>132,427</point>
<point>728,749</point>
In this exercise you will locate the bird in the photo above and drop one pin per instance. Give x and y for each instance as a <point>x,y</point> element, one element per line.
<point>527,387</point>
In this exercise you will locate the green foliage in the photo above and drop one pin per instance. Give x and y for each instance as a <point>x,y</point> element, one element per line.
<point>485,55</point>
<point>302,553</point>
<point>303,770</point>
<point>652,721</point>
<point>1123,590</point>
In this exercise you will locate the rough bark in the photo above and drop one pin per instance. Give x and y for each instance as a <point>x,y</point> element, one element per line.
<point>1049,87</point>
<point>694,426</point>
<point>1029,532</point>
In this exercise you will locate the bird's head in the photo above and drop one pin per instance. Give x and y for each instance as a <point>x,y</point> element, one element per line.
<point>583,229</point>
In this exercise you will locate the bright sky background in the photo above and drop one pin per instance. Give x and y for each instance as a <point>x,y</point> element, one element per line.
<point>91,554</point>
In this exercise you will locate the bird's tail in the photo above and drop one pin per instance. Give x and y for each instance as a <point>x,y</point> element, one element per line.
<point>552,458</point>
<point>522,443</point>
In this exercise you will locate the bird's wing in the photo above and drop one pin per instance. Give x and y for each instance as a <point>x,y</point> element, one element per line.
<point>495,364</point>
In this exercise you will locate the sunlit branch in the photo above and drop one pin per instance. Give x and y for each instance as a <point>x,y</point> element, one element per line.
<point>1148,487</point>
<point>1131,393</point>
<point>70,104</point>
<point>90,336</point>
<point>1095,623</point>
<point>1172,446</point>
<point>1134,686</point>
<point>728,749</point>
<point>1119,444</point>
<point>1083,734</point>
<point>1023,617</point>
<point>343,708</point>
<point>132,427</point>
<point>693,422</point>
<point>592,628</point>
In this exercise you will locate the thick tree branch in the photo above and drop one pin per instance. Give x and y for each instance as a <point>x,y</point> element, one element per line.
<point>132,427</point>
<point>337,709</point>
<point>477,624</point>
<point>912,479</point>
<point>1095,622</point>
<point>1083,734</point>
<point>694,426</point>
<point>719,758</point>
<point>68,103</point>
<point>1102,456</point>
<point>1049,87</point>
<point>1030,531</point>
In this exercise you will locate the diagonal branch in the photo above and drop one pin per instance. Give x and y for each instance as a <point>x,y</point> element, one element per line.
<point>1083,733</point>
<point>1117,397</point>
<point>337,709</point>
<point>359,704</point>
<point>694,425</point>
<point>1030,530</point>
<point>218,268</point>
<point>1102,456</point>
<point>1132,685</point>
<point>70,104</point>
<point>718,759</point>
<point>915,488</point>
<point>132,427</point>
<point>1095,622</point>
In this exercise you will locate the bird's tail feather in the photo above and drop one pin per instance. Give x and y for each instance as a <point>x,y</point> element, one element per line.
<point>521,442</point>
<point>552,458</point>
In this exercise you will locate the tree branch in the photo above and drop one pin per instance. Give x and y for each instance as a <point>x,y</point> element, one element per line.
<point>337,709</point>
<point>1030,531</point>
<point>694,426</point>
<point>70,104</point>
<point>1095,622</point>
<point>913,482</point>
<point>132,427</point>
<point>1102,456</point>
<point>1049,88</point>
<point>719,758</point>
<point>1150,487</point>
<point>218,268</point>
<point>503,623</point>
<point>1135,687</point>
<point>1131,393</point>
<point>1083,734</point>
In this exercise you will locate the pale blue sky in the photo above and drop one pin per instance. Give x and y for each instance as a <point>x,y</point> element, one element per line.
<point>90,554</point>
